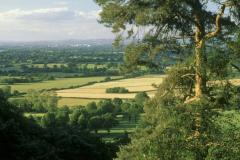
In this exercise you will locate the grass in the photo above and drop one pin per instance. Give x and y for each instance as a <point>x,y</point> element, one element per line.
<point>75,101</point>
<point>118,131</point>
<point>36,115</point>
<point>58,83</point>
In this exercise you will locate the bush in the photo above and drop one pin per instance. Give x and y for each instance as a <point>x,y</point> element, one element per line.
<point>117,90</point>
<point>107,79</point>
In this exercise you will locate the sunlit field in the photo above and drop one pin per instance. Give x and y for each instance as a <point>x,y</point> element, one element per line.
<point>98,90</point>
<point>74,101</point>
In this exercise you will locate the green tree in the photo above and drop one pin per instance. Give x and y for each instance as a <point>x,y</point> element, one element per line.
<point>75,116</point>
<point>23,139</point>
<point>91,108</point>
<point>125,107</point>
<point>196,131</point>
<point>117,102</point>
<point>105,106</point>
<point>95,123</point>
<point>7,91</point>
<point>109,121</point>
<point>167,25</point>
<point>135,110</point>
<point>235,56</point>
<point>48,120</point>
<point>42,101</point>
<point>62,118</point>
<point>83,121</point>
<point>141,98</point>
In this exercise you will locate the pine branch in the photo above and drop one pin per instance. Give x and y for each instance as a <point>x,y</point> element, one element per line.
<point>218,24</point>
<point>236,67</point>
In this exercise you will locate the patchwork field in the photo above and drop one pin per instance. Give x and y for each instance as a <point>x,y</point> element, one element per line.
<point>58,83</point>
<point>98,90</point>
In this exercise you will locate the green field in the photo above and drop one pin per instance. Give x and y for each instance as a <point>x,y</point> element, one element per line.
<point>58,83</point>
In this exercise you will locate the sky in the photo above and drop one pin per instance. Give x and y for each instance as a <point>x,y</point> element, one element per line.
<point>36,20</point>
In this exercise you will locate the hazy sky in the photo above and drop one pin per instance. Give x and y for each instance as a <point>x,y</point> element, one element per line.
<point>32,20</point>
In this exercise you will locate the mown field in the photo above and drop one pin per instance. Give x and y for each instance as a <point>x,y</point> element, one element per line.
<point>98,90</point>
<point>58,83</point>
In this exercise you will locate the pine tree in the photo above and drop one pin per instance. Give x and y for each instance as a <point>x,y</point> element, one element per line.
<point>170,23</point>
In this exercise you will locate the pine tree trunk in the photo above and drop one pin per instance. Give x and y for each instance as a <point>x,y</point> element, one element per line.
<point>200,77</point>
<point>200,58</point>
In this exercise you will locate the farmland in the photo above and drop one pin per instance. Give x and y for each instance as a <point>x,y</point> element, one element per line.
<point>58,83</point>
<point>98,90</point>
<point>75,101</point>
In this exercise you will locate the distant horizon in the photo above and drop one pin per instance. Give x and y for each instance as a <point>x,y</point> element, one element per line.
<point>57,40</point>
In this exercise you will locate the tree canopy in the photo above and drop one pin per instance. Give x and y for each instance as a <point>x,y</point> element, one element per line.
<point>157,26</point>
<point>185,118</point>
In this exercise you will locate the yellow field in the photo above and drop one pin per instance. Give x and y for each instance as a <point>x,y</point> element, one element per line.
<point>97,91</point>
<point>235,82</point>
<point>74,101</point>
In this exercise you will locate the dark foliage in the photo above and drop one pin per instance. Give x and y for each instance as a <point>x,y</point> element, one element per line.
<point>23,139</point>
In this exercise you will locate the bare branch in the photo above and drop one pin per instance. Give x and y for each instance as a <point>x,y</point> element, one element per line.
<point>218,24</point>
<point>188,75</point>
<point>218,19</point>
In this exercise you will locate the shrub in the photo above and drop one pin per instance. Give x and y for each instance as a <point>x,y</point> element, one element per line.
<point>117,90</point>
